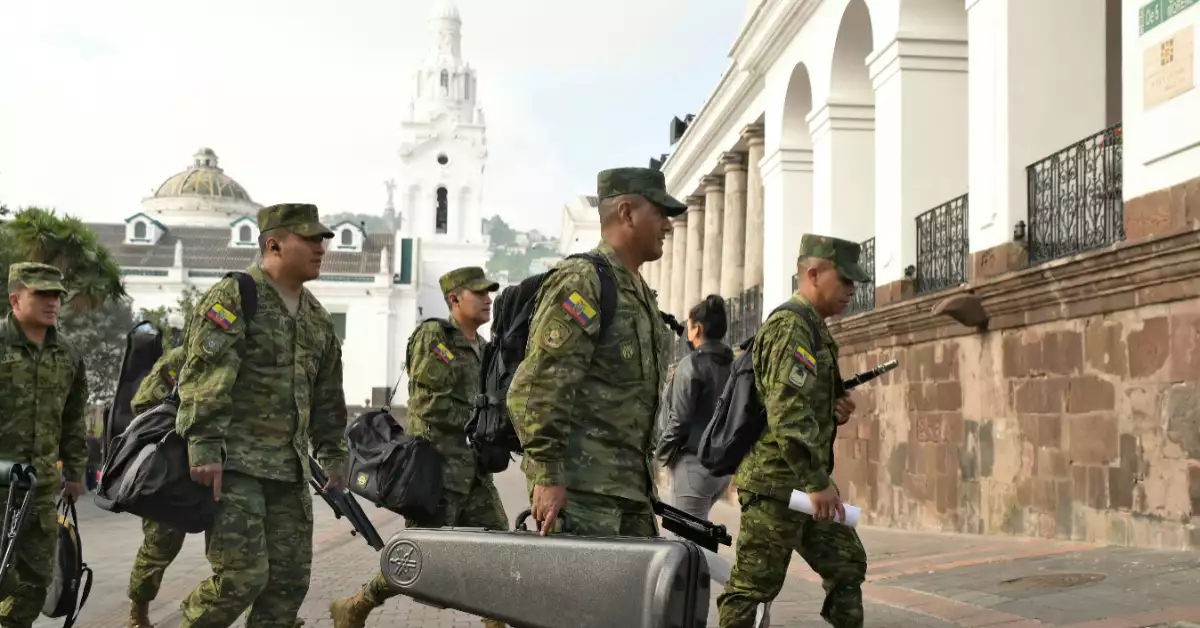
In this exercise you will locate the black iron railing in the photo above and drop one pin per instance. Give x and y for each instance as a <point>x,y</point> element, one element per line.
<point>679,349</point>
<point>1075,198</point>
<point>795,282</point>
<point>942,247</point>
<point>745,315</point>
<point>864,293</point>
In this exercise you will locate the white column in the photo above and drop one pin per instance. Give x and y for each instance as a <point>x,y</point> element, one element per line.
<point>920,141</point>
<point>695,255</point>
<point>753,135</point>
<point>787,215</point>
<point>733,236</point>
<point>668,258</point>
<point>679,264</point>
<point>843,137</point>
<point>714,215</point>
<point>1036,85</point>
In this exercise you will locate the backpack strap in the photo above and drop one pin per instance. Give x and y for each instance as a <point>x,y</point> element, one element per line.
<point>802,313</point>
<point>446,326</point>
<point>608,287</point>
<point>248,289</point>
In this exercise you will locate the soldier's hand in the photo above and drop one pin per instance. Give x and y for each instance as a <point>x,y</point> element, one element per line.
<point>547,502</point>
<point>72,490</point>
<point>827,504</point>
<point>336,481</point>
<point>843,409</point>
<point>209,475</point>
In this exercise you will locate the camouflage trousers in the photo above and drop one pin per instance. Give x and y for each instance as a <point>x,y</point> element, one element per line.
<point>480,508</point>
<point>592,514</point>
<point>23,591</point>
<point>260,550</point>
<point>770,531</point>
<point>160,545</point>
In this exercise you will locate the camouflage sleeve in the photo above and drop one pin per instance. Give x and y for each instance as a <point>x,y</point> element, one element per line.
<point>72,444</point>
<point>206,382</point>
<point>328,425</point>
<point>784,354</point>
<point>431,380</point>
<point>158,383</point>
<point>562,337</point>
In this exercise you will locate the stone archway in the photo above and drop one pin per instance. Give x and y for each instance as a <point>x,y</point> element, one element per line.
<point>797,104</point>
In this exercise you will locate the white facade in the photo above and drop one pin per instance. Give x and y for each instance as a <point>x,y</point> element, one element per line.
<point>580,225</point>
<point>443,153</point>
<point>869,113</point>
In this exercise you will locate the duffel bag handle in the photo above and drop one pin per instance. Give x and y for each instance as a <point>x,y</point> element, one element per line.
<point>520,522</point>
<point>384,452</point>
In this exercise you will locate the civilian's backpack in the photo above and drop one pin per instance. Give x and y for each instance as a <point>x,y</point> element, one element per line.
<point>72,578</point>
<point>489,430</point>
<point>740,418</point>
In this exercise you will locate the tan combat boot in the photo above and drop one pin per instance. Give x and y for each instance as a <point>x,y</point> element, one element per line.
<point>492,623</point>
<point>139,615</point>
<point>351,612</point>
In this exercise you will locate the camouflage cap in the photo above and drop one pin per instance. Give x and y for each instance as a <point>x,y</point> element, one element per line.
<point>471,277</point>
<point>39,277</point>
<point>843,253</point>
<point>646,182</point>
<point>300,218</point>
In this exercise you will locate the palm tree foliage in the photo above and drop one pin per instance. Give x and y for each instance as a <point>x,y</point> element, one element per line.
<point>91,274</point>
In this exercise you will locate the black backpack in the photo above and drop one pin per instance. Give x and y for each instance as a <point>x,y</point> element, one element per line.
<point>740,418</point>
<point>72,579</point>
<point>143,348</point>
<point>489,430</point>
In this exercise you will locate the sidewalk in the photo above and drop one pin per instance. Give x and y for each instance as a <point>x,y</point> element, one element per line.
<point>941,580</point>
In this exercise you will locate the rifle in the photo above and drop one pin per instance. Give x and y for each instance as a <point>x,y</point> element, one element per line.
<point>702,532</point>
<point>343,504</point>
<point>866,376</point>
<point>15,477</point>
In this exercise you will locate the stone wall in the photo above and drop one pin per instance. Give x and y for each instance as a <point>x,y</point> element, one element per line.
<point>1073,412</point>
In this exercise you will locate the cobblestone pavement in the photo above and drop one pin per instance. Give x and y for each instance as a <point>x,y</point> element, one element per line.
<point>925,580</point>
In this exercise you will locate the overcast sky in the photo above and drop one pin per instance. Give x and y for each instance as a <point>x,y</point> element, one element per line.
<point>302,99</point>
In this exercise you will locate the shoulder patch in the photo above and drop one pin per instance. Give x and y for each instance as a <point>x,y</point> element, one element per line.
<point>797,377</point>
<point>579,308</point>
<point>443,353</point>
<point>556,334</point>
<point>221,315</point>
<point>806,358</point>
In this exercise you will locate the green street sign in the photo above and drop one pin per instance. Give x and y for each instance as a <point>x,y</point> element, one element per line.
<point>1155,12</point>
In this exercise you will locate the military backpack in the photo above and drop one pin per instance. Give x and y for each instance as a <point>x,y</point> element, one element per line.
<point>740,418</point>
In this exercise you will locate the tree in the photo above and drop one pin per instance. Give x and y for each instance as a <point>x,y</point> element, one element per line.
<point>500,233</point>
<point>99,337</point>
<point>91,275</point>
<point>184,307</point>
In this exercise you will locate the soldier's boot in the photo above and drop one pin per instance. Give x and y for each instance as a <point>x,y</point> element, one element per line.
<point>351,612</point>
<point>139,615</point>
<point>493,623</point>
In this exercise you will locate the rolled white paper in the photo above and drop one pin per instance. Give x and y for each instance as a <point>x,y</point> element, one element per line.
<point>800,502</point>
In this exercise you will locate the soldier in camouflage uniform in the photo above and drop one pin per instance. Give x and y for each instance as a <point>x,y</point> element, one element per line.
<point>253,395</point>
<point>160,543</point>
<point>805,402</point>
<point>445,375</point>
<point>584,405</point>
<point>43,396</point>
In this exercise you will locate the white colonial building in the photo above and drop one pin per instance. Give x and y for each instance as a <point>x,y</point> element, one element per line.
<point>872,120</point>
<point>580,225</point>
<point>201,223</point>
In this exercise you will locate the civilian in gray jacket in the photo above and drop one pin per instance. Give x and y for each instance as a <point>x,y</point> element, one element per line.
<point>699,379</point>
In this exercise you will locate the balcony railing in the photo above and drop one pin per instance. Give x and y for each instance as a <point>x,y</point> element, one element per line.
<point>942,247</point>
<point>745,315</point>
<point>864,293</point>
<point>1075,198</point>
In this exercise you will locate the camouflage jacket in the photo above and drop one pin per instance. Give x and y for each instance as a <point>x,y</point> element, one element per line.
<point>255,394</point>
<point>444,375</point>
<point>43,398</point>
<point>584,406</point>
<point>159,382</point>
<point>798,389</point>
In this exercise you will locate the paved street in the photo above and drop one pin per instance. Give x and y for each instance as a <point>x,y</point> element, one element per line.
<point>915,579</point>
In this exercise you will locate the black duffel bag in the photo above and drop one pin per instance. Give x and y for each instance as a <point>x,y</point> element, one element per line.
<point>392,469</point>
<point>147,474</point>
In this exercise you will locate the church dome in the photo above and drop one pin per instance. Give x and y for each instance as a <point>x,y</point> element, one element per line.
<point>203,179</point>
<point>445,10</point>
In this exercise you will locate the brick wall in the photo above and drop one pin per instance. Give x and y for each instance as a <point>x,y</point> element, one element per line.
<point>1074,413</point>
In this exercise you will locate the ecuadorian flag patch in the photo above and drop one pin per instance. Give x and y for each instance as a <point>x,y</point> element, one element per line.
<point>221,316</point>
<point>806,358</point>
<point>579,308</point>
<point>443,353</point>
